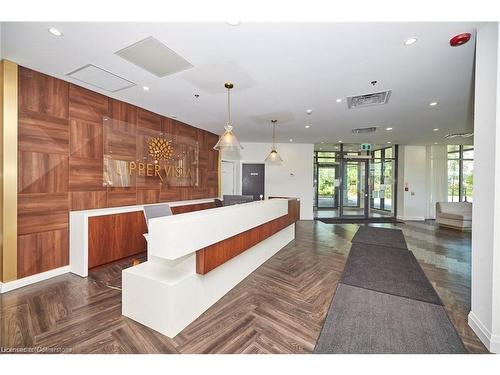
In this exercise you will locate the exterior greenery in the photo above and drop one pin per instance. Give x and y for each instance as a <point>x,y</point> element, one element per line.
<point>460,173</point>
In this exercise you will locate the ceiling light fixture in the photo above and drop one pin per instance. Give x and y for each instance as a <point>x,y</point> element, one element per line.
<point>435,129</point>
<point>291,140</point>
<point>309,111</point>
<point>274,157</point>
<point>228,140</point>
<point>388,129</point>
<point>145,88</point>
<point>410,41</point>
<point>340,141</point>
<point>433,104</point>
<point>389,142</point>
<point>339,100</point>
<point>307,126</point>
<point>55,31</point>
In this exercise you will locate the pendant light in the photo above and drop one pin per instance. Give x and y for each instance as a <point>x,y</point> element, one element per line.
<point>228,141</point>
<point>274,157</point>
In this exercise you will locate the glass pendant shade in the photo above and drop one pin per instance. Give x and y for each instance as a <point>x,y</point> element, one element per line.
<point>274,157</point>
<point>228,141</point>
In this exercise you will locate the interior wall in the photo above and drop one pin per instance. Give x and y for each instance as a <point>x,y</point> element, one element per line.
<point>293,178</point>
<point>484,317</point>
<point>412,173</point>
<point>61,164</point>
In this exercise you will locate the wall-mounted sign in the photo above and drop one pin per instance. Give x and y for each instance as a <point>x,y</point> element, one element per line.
<point>366,147</point>
<point>137,156</point>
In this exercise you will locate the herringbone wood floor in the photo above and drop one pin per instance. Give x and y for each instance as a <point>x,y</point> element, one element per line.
<point>279,308</point>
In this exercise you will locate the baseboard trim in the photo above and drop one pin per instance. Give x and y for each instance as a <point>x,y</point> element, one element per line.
<point>491,341</point>
<point>25,281</point>
<point>411,218</point>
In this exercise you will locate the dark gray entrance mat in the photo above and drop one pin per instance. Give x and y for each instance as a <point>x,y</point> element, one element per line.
<point>366,321</point>
<point>380,236</point>
<point>388,270</point>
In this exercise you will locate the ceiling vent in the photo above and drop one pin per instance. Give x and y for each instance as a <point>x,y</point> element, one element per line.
<point>458,135</point>
<point>100,78</point>
<point>371,129</point>
<point>367,100</point>
<point>153,56</point>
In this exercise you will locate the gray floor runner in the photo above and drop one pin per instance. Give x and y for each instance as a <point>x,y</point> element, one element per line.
<point>380,236</point>
<point>388,270</point>
<point>365,321</point>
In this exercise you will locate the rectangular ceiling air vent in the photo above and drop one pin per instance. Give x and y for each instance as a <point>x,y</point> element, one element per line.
<point>371,129</point>
<point>458,135</point>
<point>153,56</point>
<point>367,100</point>
<point>97,77</point>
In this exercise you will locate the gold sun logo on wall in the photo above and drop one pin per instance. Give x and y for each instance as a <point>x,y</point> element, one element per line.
<point>160,149</point>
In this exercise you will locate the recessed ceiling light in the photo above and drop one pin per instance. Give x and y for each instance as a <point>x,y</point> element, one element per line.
<point>338,100</point>
<point>436,129</point>
<point>323,142</point>
<point>433,104</point>
<point>307,126</point>
<point>309,111</point>
<point>233,23</point>
<point>435,143</point>
<point>389,142</point>
<point>410,41</point>
<point>291,140</point>
<point>55,31</point>
<point>388,128</point>
<point>145,88</point>
<point>340,141</point>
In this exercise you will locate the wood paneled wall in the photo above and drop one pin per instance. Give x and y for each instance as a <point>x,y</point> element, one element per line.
<point>60,164</point>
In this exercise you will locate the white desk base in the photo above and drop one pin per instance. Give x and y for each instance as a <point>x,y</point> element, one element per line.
<point>168,295</point>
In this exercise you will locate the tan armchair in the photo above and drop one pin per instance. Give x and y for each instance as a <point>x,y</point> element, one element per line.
<point>456,215</point>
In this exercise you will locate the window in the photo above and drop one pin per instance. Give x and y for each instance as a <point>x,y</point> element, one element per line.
<point>460,173</point>
<point>381,175</point>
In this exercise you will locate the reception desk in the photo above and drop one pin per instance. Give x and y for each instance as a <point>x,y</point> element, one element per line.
<point>105,235</point>
<point>195,258</point>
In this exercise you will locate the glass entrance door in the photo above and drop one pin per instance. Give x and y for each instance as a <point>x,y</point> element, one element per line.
<point>354,200</point>
<point>327,186</point>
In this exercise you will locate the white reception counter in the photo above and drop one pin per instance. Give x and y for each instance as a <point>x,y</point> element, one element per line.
<point>165,293</point>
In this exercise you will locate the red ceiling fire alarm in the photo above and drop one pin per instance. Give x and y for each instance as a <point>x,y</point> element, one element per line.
<point>459,39</point>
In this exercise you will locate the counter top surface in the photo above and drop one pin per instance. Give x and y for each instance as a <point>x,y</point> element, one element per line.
<point>139,207</point>
<point>172,237</point>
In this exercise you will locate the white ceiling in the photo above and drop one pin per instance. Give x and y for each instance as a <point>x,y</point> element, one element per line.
<point>279,70</point>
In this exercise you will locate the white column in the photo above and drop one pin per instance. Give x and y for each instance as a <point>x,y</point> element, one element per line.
<point>437,186</point>
<point>484,317</point>
<point>412,173</point>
